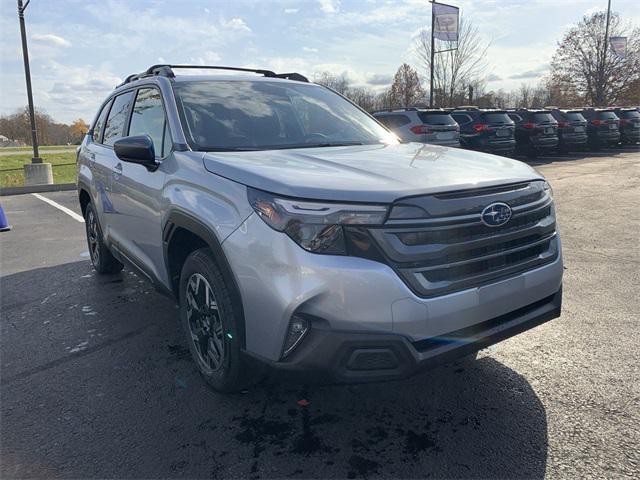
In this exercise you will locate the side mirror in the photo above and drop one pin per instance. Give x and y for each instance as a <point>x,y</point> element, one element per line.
<point>136,149</point>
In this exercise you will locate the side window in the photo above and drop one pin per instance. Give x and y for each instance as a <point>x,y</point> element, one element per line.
<point>99,125</point>
<point>117,119</point>
<point>148,118</point>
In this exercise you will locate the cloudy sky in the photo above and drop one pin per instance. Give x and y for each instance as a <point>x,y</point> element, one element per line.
<point>80,49</point>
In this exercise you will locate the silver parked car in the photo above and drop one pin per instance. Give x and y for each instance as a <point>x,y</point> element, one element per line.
<point>434,126</point>
<point>295,232</point>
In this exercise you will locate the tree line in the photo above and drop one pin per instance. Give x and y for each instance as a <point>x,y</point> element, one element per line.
<point>584,72</point>
<point>17,126</point>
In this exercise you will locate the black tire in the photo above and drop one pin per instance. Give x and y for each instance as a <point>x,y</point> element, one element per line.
<point>220,361</point>
<point>101,258</point>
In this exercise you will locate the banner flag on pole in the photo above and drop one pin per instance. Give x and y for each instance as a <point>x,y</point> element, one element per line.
<point>445,22</point>
<point>618,46</point>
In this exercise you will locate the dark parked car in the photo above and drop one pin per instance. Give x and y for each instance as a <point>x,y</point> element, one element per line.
<point>602,127</point>
<point>434,126</point>
<point>629,124</point>
<point>572,129</point>
<point>536,131</point>
<point>485,130</point>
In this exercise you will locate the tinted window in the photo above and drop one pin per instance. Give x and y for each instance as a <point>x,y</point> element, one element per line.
<point>97,128</point>
<point>543,118</point>
<point>574,117</point>
<point>394,121</point>
<point>609,115</point>
<point>114,128</point>
<point>148,118</point>
<point>496,118</point>
<point>436,118</point>
<point>254,115</point>
<point>461,118</point>
<point>630,114</point>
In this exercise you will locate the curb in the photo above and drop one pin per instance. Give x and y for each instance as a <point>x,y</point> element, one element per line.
<point>56,187</point>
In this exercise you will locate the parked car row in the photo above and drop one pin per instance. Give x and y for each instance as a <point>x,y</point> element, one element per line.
<point>525,131</point>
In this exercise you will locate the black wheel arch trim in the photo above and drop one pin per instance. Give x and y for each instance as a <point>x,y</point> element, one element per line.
<point>181,219</point>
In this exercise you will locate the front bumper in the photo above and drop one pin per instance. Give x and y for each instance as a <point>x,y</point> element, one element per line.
<point>350,357</point>
<point>277,278</point>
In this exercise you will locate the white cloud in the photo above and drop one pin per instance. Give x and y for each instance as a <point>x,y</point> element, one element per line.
<point>291,10</point>
<point>51,39</point>
<point>329,6</point>
<point>310,49</point>
<point>237,24</point>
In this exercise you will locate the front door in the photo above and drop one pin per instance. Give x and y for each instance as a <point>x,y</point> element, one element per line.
<point>137,190</point>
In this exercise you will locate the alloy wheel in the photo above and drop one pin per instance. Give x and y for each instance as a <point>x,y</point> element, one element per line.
<point>205,323</point>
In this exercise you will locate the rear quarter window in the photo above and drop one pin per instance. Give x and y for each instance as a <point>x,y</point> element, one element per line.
<point>99,125</point>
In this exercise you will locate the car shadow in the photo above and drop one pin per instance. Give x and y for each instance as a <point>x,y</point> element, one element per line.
<point>97,382</point>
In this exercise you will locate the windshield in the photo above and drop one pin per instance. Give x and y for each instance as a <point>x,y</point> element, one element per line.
<point>263,115</point>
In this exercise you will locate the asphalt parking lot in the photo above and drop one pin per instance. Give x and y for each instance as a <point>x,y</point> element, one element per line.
<point>96,379</point>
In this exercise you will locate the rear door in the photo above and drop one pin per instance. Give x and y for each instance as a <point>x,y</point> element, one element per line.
<point>137,190</point>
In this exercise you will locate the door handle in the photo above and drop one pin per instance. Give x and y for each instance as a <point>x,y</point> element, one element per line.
<point>117,170</point>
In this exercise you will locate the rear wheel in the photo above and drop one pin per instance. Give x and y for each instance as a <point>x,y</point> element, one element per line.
<point>211,324</point>
<point>101,258</point>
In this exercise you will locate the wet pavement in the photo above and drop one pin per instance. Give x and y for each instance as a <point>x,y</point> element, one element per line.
<point>97,382</point>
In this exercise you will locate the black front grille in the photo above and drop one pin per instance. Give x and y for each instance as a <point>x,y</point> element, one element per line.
<point>448,252</point>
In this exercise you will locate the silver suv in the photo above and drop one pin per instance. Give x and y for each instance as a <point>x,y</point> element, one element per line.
<point>295,232</point>
<point>434,126</point>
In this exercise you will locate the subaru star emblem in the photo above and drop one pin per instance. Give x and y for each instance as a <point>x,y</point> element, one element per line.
<point>496,214</point>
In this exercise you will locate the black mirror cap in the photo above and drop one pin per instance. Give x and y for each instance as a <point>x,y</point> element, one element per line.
<point>136,149</point>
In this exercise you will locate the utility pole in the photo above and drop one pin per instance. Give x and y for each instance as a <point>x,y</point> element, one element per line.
<point>604,57</point>
<point>27,73</point>
<point>37,172</point>
<point>433,57</point>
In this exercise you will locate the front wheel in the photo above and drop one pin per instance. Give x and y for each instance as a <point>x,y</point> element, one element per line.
<point>210,322</point>
<point>101,258</point>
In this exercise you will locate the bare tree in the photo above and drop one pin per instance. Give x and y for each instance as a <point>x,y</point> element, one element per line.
<point>363,96</point>
<point>456,69</point>
<point>580,60</point>
<point>339,83</point>
<point>406,90</point>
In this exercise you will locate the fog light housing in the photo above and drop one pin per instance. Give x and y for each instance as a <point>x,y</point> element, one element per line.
<point>298,328</point>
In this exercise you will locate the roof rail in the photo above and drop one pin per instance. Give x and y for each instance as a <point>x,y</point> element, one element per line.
<point>166,70</point>
<point>401,109</point>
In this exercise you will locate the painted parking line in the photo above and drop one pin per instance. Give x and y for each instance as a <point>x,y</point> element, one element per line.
<point>62,208</point>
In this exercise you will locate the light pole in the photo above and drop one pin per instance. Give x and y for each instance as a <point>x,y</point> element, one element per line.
<point>37,172</point>
<point>604,56</point>
<point>27,73</point>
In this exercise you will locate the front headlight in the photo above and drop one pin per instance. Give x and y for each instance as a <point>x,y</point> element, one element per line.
<point>315,226</point>
<point>547,189</point>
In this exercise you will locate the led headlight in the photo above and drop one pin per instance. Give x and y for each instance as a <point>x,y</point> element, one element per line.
<point>547,189</point>
<point>315,226</point>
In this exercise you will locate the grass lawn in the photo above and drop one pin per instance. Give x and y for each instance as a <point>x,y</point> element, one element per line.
<point>15,176</point>
<point>41,147</point>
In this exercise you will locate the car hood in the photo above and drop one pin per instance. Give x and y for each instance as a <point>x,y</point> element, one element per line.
<point>367,173</point>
